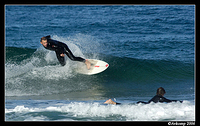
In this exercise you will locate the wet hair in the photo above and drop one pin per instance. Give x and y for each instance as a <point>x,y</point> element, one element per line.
<point>160,91</point>
<point>43,38</point>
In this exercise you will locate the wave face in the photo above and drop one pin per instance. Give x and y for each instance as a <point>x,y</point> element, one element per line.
<point>38,72</point>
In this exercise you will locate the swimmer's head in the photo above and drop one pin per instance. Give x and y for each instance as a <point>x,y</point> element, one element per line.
<point>160,91</point>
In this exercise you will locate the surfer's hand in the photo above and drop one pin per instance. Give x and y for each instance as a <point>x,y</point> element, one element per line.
<point>63,55</point>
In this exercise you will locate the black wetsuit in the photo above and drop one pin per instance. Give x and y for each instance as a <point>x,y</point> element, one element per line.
<point>155,99</point>
<point>60,48</point>
<point>158,98</point>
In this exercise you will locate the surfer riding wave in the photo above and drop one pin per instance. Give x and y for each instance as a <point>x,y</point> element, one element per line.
<point>61,49</point>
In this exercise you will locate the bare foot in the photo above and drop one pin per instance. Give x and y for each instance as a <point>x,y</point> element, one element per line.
<point>110,102</point>
<point>63,55</point>
<point>88,64</point>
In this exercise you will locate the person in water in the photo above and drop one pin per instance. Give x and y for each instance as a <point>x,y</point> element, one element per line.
<point>157,98</point>
<point>61,49</point>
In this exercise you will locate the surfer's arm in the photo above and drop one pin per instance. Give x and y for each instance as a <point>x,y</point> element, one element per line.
<point>60,58</point>
<point>165,100</point>
<point>142,102</point>
<point>168,101</point>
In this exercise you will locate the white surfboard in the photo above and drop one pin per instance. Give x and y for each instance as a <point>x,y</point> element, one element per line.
<point>97,66</point>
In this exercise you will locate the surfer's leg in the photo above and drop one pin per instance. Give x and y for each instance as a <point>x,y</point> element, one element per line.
<point>60,59</point>
<point>72,57</point>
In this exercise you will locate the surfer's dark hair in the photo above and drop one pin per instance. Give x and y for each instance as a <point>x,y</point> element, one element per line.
<point>43,38</point>
<point>160,91</point>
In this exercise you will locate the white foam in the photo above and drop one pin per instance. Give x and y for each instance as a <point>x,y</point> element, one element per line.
<point>139,112</point>
<point>13,70</point>
<point>50,57</point>
<point>36,118</point>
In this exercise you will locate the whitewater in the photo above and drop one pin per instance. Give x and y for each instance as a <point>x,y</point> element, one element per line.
<point>93,111</point>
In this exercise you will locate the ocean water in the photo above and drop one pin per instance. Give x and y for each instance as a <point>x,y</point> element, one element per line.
<point>146,46</point>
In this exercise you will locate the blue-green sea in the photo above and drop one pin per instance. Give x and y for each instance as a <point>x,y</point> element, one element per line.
<point>146,46</point>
